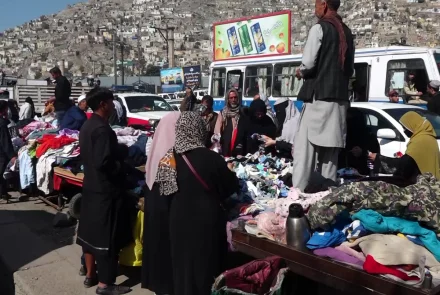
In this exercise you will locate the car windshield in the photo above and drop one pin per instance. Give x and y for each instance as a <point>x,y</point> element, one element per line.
<point>434,119</point>
<point>138,104</point>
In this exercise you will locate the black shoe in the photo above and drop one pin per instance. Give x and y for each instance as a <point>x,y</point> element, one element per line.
<point>113,290</point>
<point>83,271</point>
<point>90,282</point>
<point>6,197</point>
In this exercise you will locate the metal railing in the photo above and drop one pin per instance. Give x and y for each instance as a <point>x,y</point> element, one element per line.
<point>40,94</point>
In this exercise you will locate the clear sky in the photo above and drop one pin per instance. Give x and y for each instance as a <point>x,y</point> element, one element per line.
<point>17,12</point>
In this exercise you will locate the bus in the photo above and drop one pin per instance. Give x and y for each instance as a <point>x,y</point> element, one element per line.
<point>377,71</point>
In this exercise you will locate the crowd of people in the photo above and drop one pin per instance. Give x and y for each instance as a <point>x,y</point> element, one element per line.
<point>185,239</point>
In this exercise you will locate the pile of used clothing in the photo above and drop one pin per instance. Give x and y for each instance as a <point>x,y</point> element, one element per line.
<point>376,226</point>
<point>41,146</point>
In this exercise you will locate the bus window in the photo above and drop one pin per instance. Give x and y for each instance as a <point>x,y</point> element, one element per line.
<point>285,82</point>
<point>218,82</point>
<point>235,80</point>
<point>399,73</point>
<point>258,80</point>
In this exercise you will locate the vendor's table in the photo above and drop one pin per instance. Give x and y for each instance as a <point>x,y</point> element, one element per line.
<point>322,270</point>
<point>60,176</point>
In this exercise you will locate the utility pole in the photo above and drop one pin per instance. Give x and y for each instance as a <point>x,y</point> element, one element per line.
<point>122,62</point>
<point>115,66</point>
<point>122,57</point>
<point>169,39</point>
<point>139,50</point>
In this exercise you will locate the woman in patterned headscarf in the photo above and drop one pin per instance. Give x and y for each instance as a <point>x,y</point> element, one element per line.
<point>231,126</point>
<point>197,218</point>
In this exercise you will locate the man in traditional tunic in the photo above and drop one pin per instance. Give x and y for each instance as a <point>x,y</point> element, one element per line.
<point>327,65</point>
<point>104,228</point>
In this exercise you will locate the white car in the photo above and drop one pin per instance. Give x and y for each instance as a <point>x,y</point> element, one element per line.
<point>175,104</point>
<point>383,120</point>
<point>167,95</point>
<point>143,109</point>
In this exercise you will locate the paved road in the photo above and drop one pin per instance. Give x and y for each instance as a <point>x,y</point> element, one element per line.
<point>38,259</point>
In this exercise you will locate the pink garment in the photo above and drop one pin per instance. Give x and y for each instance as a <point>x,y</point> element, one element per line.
<point>296,196</point>
<point>34,126</point>
<point>271,223</point>
<point>351,252</point>
<point>163,140</point>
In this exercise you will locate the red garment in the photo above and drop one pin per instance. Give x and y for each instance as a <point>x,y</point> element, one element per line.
<point>256,277</point>
<point>234,138</point>
<point>374,267</point>
<point>51,141</point>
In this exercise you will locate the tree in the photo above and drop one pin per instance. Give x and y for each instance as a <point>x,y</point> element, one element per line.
<point>152,70</point>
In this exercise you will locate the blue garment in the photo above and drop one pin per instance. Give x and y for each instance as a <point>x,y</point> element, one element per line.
<point>141,143</point>
<point>73,119</point>
<point>27,175</point>
<point>326,239</point>
<point>377,223</point>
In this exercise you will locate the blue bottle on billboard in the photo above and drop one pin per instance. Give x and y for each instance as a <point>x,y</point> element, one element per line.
<point>257,35</point>
<point>233,41</point>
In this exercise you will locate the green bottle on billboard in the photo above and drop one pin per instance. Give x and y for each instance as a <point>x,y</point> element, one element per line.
<point>245,39</point>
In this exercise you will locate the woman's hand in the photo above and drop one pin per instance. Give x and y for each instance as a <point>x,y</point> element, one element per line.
<point>268,141</point>
<point>231,166</point>
<point>372,156</point>
<point>357,151</point>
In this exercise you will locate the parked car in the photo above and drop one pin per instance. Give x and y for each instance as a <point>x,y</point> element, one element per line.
<point>383,120</point>
<point>143,109</point>
<point>167,95</point>
<point>175,104</point>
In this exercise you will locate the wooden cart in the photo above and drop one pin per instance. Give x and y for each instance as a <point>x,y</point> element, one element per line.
<point>333,275</point>
<point>61,177</point>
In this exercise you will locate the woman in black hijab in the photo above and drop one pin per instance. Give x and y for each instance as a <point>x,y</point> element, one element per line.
<point>259,123</point>
<point>358,143</point>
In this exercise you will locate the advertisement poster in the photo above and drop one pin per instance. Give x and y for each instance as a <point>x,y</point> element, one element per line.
<point>192,76</point>
<point>171,80</point>
<point>264,35</point>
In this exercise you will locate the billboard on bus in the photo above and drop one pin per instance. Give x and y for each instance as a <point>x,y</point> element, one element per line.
<point>171,80</point>
<point>263,35</point>
<point>193,75</point>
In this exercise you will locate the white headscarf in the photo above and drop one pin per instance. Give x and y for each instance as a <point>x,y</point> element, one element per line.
<point>291,123</point>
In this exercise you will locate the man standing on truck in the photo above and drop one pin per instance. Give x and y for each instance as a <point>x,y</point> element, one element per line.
<point>63,91</point>
<point>327,65</point>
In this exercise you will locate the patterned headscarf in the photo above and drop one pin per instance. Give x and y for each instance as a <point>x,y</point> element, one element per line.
<point>190,134</point>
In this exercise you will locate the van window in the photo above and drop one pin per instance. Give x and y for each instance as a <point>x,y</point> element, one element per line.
<point>258,80</point>
<point>437,60</point>
<point>359,82</point>
<point>398,77</point>
<point>285,83</point>
<point>218,82</point>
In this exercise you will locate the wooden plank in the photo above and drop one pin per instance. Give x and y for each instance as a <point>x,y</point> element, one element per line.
<point>322,270</point>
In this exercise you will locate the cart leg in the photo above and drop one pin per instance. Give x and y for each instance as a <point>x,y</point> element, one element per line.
<point>60,202</point>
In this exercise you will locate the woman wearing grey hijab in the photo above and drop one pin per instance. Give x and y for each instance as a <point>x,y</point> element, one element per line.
<point>287,113</point>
